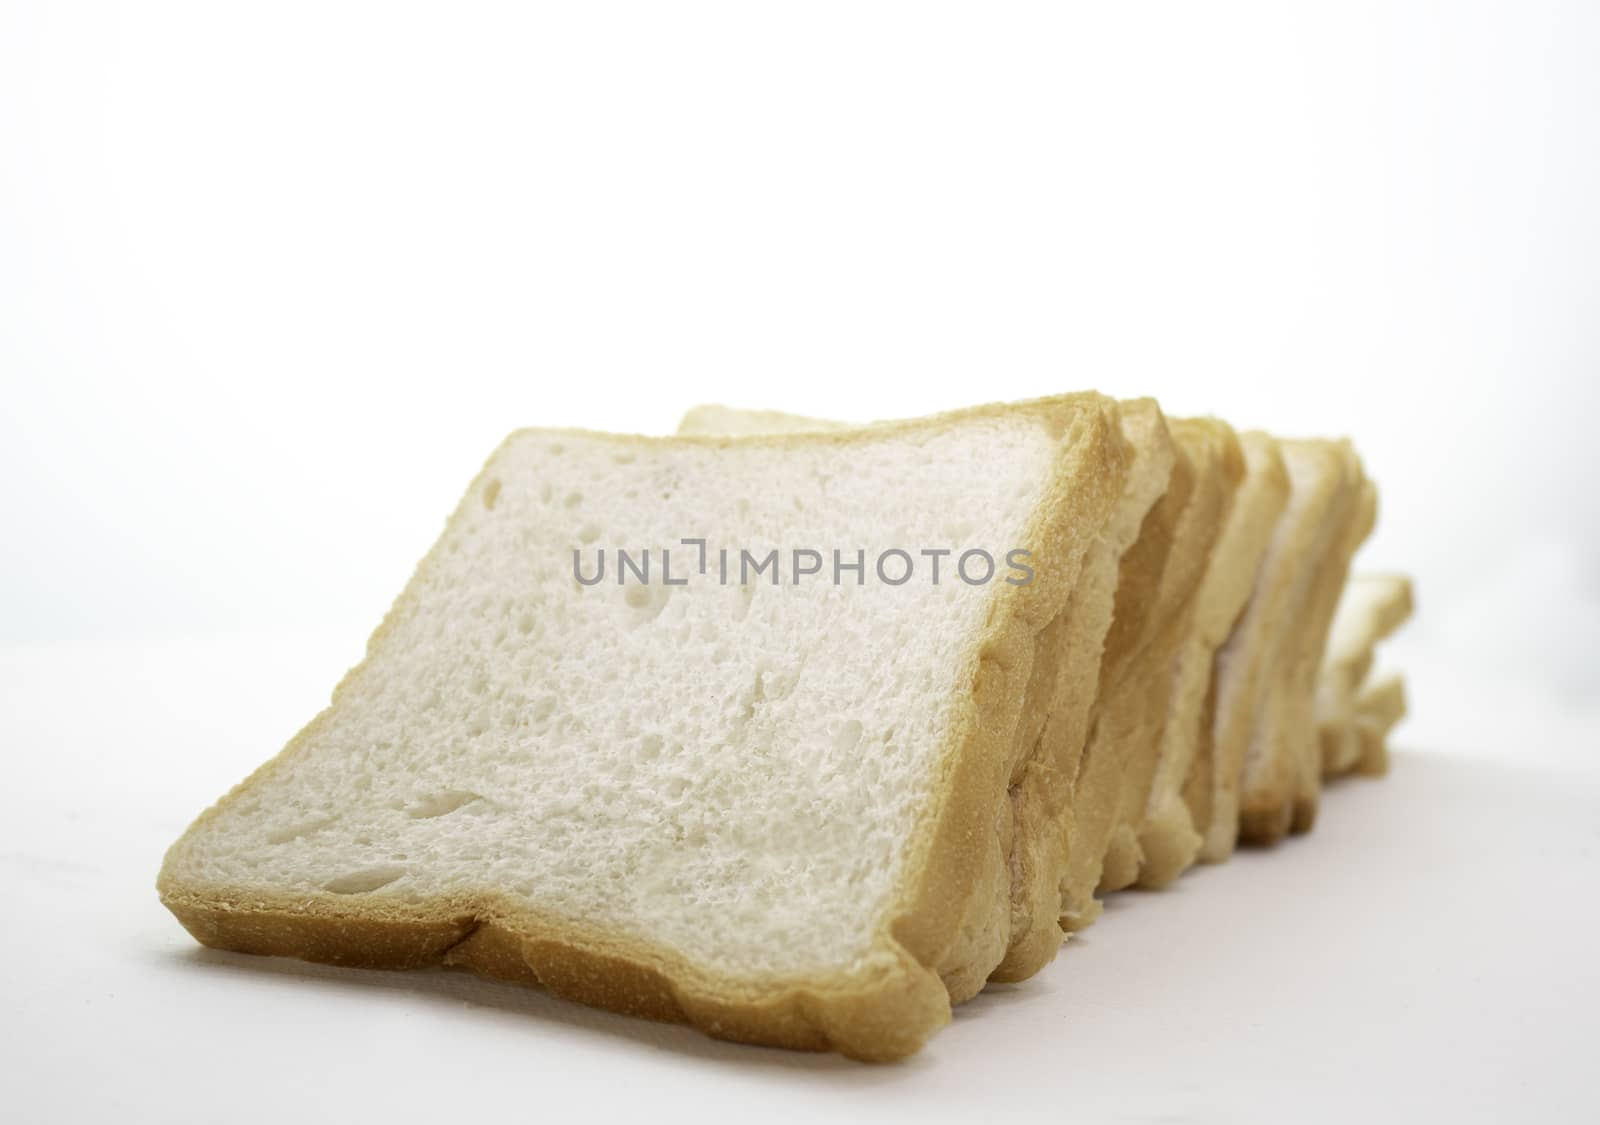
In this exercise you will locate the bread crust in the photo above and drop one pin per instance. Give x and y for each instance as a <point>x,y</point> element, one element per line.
<point>1213,782</point>
<point>1343,673</point>
<point>1380,706</point>
<point>986,931</point>
<point>1170,839</point>
<point>1335,572</point>
<point>1252,775</point>
<point>1217,466</point>
<point>1271,782</point>
<point>881,1008</point>
<point>1121,718</point>
<point>1044,795</point>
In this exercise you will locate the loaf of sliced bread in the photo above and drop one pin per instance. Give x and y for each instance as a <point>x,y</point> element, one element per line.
<point>775,809</point>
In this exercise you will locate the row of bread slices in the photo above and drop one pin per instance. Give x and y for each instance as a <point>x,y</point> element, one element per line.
<point>1235,673</point>
<point>883,799</point>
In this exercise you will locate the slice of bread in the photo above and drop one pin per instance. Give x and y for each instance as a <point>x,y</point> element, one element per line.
<point>997,924</point>
<point>1331,580</point>
<point>1252,777</point>
<point>1274,790</point>
<point>1217,464</point>
<point>1379,707</point>
<point>1045,795</point>
<point>1371,608</point>
<point>763,809</point>
<point>1042,785</point>
<point>1125,716</point>
<point>1212,787</point>
<point>1170,840</point>
<point>984,927</point>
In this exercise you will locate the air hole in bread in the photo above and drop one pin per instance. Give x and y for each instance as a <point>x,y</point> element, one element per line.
<point>573,499</point>
<point>295,831</point>
<point>363,882</point>
<point>588,533</point>
<point>441,804</point>
<point>491,493</point>
<point>650,601</point>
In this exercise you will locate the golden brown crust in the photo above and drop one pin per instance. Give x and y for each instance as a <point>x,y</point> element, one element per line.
<point>1330,582</point>
<point>1248,801</point>
<point>883,1007</point>
<point>1119,718</point>
<point>1237,526</point>
<point>1200,791</point>
<point>1043,794</point>
<point>1084,493</point>
<point>1217,466</point>
<point>1379,708</point>
<point>1212,788</point>
<point>1042,797</point>
<point>1270,777</point>
<point>599,970</point>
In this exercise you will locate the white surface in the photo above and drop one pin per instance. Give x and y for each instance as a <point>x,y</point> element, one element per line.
<point>274,280</point>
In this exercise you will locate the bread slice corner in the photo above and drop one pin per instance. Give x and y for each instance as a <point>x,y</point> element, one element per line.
<point>1371,608</point>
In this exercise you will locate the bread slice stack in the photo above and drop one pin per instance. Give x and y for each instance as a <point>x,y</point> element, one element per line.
<point>801,732</point>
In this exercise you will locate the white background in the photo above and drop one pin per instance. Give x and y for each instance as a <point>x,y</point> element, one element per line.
<point>274,279</point>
